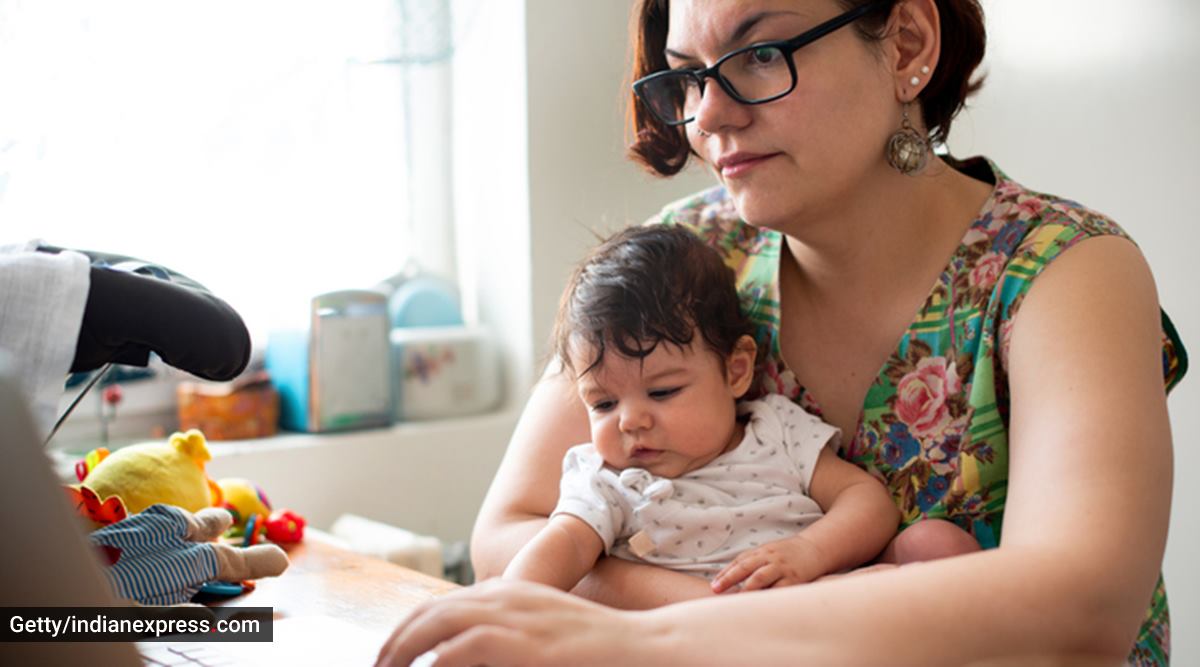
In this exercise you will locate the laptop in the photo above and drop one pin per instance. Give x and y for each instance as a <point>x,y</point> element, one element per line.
<point>47,561</point>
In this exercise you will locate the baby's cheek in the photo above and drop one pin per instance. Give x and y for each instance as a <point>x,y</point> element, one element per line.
<point>607,439</point>
<point>708,431</point>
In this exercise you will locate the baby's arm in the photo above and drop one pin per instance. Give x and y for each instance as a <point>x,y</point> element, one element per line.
<point>860,518</point>
<point>561,554</point>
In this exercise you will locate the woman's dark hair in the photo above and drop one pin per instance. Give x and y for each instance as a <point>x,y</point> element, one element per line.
<point>645,286</point>
<point>665,150</point>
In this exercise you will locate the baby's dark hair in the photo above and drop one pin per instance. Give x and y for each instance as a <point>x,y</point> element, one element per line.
<point>644,286</point>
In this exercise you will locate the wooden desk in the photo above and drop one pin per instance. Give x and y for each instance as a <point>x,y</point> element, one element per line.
<point>326,579</point>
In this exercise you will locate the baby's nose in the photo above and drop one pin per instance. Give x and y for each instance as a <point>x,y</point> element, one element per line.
<point>635,418</point>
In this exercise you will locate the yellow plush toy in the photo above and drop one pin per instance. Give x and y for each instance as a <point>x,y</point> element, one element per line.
<point>151,507</point>
<point>171,473</point>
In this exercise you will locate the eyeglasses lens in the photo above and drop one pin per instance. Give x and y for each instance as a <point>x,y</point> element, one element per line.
<point>755,75</point>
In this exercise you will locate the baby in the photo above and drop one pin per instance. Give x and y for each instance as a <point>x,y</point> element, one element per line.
<point>679,473</point>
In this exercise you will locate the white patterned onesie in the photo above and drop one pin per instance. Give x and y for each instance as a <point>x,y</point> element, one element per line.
<point>698,522</point>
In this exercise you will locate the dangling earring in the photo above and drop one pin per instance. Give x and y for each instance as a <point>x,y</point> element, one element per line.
<point>907,151</point>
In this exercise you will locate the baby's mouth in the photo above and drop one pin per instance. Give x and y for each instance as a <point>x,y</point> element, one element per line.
<point>645,453</point>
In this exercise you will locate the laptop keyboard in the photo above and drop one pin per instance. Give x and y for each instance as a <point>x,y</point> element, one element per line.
<point>185,655</point>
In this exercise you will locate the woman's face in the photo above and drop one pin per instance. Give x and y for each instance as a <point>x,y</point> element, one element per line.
<point>807,154</point>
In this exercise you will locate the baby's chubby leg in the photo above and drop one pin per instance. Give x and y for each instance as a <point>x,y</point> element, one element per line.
<point>930,539</point>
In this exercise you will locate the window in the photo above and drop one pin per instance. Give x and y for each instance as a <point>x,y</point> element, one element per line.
<point>262,148</point>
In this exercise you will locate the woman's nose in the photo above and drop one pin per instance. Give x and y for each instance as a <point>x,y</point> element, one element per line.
<point>718,110</point>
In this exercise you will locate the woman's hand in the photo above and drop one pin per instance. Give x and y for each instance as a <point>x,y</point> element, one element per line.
<point>498,623</point>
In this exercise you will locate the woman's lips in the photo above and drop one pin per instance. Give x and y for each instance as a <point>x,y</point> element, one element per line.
<point>739,165</point>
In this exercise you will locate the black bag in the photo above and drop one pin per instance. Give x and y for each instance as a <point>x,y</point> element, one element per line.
<point>135,308</point>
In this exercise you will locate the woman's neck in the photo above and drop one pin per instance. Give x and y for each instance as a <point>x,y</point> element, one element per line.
<point>883,241</point>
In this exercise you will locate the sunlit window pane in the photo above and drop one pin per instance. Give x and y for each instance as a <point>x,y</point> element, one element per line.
<point>245,144</point>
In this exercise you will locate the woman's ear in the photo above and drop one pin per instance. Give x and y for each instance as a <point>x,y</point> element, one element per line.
<point>739,367</point>
<point>914,43</point>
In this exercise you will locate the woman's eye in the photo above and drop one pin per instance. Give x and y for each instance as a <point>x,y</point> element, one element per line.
<point>763,56</point>
<point>664,393</point>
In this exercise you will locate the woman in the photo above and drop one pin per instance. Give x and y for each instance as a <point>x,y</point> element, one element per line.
<point>997,409</point>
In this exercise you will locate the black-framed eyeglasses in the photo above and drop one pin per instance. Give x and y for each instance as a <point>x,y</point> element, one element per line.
<point>753,74</point>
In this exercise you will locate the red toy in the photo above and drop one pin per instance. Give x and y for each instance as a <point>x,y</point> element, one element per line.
<point>285,526</point>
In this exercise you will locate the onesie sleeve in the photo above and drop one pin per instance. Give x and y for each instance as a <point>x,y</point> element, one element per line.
<point>588,492</point>
<point>804,436</point>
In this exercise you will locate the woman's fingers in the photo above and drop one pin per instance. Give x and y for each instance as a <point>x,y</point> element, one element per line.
<point>428,627</point>
<point>501,623</point>
<point>390,643</point>
<point>435,620</point>
<point>502,646</point>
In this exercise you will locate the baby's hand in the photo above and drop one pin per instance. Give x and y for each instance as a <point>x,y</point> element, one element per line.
<point>784,563</point>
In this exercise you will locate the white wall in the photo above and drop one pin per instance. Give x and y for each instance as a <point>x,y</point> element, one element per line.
<point>1097,101</point>
<point>580,181</point>
<point>427,478</point>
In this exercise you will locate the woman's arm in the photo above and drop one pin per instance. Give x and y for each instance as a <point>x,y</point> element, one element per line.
<point>525,491</point>
<point>525,488</point>
<point>1084,530</point>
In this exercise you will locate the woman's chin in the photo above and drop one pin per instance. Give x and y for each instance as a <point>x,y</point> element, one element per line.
<point>758,211</point>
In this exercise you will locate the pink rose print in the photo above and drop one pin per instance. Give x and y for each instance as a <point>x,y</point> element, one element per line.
<point>987,270</point>
<point>974,236</point>
<point>1030,206</point>
<point>921,396</point>
<point>1006,189</point>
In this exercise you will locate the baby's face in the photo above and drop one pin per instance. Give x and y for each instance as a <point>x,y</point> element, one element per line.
<point>670,413</point>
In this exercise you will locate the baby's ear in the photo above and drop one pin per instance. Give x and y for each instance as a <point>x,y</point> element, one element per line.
<point>739,367</point>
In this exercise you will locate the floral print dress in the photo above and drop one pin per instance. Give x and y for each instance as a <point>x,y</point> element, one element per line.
<point>934,427</point>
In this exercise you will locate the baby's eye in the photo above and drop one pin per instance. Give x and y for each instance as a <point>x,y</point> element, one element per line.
<point>660,394</point>
<point>603,406</point>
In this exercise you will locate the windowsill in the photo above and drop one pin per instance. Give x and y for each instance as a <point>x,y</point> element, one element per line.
<point>397,433</point>
<point>403,437</point>
<point>427,477</point>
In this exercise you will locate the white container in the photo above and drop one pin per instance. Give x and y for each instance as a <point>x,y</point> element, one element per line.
<point>441,372</point>
<point>335,374</point>
<point>395,545</point>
